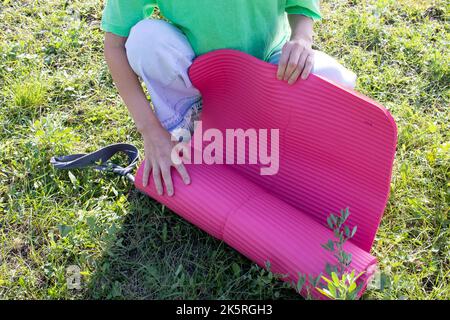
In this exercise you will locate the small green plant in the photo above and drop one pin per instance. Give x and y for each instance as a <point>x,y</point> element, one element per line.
<point>341,285</point>
<point>312,283</point>
<point>341,288</point>
<point>342,233</point>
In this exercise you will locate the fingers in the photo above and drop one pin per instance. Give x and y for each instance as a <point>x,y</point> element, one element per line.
<point>297,60</point>
<point>147,168</point>
<point>183,173</point>
<point>293,63</point>
<point>167,177</point>
<point>308,67</point>
<point>159,161</point>
<point>285,54</point>
<point>294,76</point>
<point>157,179</point>
<point>303,68</point>
<point>165,172</point>
<point>299,67</point>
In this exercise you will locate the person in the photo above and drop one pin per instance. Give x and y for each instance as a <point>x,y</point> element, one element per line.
<point>160,52</point>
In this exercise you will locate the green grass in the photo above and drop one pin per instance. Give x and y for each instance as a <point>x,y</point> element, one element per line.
<point>56,95</point>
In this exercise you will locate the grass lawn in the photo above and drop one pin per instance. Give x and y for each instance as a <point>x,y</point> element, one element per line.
<point>56,97</point>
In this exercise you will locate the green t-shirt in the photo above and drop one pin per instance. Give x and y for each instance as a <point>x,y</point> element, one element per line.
<point>257,27</point>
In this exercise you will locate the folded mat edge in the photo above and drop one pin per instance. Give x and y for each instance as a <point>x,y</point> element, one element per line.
<point>257,224</point>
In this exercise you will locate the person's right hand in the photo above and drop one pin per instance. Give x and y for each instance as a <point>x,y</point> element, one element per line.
<point>158,149</point>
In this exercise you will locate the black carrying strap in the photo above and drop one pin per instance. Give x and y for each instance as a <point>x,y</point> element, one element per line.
<point>99,160</point>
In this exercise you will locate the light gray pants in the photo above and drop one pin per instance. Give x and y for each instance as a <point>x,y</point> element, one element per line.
<point>160,55</point>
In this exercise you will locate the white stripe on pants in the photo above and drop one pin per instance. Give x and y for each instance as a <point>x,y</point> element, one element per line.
<point>160,55</point>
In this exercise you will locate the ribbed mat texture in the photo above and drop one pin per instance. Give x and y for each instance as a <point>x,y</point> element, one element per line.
<point>336,150</point>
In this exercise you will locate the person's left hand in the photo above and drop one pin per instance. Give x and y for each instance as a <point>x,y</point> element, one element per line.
<point>297,59</point>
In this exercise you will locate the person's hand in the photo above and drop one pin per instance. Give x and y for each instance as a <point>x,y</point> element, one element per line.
<point>158,149</point>
<point>297,59</point>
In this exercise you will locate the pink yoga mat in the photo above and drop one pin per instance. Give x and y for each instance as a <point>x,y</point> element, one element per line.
<point>336,150</point>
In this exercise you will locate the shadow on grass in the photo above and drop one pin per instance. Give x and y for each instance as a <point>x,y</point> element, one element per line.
<point>158,255</point>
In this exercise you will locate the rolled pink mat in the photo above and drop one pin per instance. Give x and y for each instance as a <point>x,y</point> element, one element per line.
<point>336,150</point>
